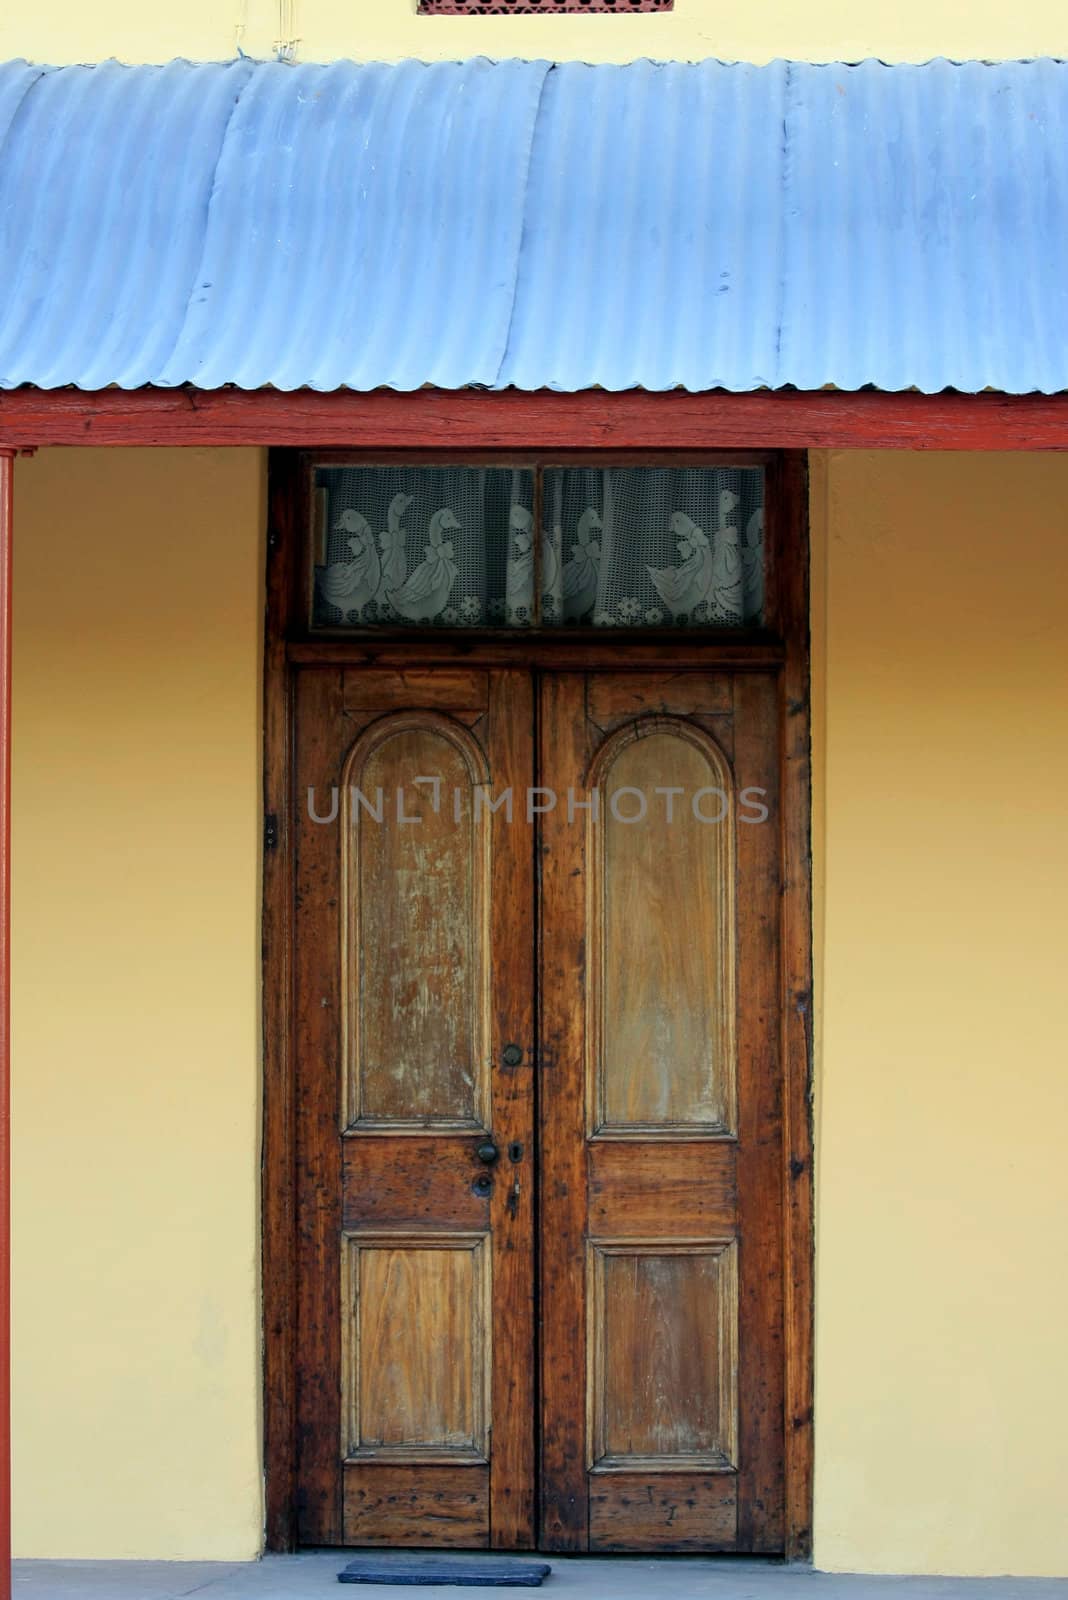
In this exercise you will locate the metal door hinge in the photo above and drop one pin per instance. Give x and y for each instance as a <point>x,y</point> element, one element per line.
<point>270,831</point>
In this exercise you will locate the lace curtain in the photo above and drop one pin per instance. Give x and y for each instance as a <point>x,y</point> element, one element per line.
<point>625,547</point>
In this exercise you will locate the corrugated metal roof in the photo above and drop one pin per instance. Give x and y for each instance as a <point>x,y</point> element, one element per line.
<point>515,223</point>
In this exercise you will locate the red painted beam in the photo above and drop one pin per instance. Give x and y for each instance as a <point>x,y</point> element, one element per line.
<point>7,466</point>
<point>479,420</point>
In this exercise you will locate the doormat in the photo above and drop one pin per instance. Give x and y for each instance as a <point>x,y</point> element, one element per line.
<point>488,1573</point>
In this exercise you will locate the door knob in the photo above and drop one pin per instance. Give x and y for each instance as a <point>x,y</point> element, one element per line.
<point>487,1152</point>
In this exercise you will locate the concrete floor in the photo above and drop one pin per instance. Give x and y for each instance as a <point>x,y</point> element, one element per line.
<point>314,1574</point>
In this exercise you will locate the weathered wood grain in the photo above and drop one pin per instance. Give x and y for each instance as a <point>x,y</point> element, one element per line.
<point>611,697</point>
<point>442,689</point>
<point>279,1120</point>
<point>632,1185</point>
<point>429,1183</point>
<point>317,1034</point>
<point>672,1512</point>
<point>640,1321</point>
<point>513,1466</point>
<point>789,493</point>
<point>424,1507</point>
<point>416,1313</point>
<point>429,1336</point>
<point>663,1362</point>
<point>562,750</point>
<point>563,650</point>
<point>415,925</point>
<point>476,421</point>
<point>660,978</point>
<point>761,1489</point>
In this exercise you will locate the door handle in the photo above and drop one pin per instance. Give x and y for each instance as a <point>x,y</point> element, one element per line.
<point>487,1152</point>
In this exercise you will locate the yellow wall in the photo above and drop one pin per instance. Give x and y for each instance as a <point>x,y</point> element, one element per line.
<point>940,676</point>
<point>941,683</point>
<point>136,1003</point>
<point>823,30</point>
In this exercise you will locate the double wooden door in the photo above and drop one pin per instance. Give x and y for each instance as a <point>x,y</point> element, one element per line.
<point>539,1147</point>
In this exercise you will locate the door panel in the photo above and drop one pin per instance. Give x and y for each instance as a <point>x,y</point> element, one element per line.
<point>417,1506</point>
<point>415,1373</point>
<point>414,971</point>
<point>661,975</point>
<point>659,1116</point>
<point>663,1355</point>
<point>694,1511</point>
<point>415,921</point>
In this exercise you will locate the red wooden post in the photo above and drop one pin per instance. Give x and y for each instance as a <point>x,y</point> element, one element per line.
<point>7,473</point>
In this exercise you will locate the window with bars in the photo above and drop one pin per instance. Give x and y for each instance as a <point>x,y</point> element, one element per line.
<point>455,546</point>
<point>509,8</point>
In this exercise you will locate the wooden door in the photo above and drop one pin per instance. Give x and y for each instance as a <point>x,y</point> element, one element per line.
<point>641,930</point>
<point>414,996</point>
<point>660,1153</point>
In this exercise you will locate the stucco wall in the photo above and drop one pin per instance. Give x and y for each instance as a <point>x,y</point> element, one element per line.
<point>940,673</point>
<point>825,30</point>
<point>941,685</point>
<point>138,579</point>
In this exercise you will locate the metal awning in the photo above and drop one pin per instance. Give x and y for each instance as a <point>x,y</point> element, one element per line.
<point>520,224</point>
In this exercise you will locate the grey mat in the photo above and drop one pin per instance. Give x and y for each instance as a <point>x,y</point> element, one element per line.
<point>479,1573</point>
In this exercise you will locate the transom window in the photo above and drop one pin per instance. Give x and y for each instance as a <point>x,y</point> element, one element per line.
<point>451,546</point>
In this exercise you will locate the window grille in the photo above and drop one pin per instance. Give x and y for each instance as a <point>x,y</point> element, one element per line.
<point>511,8</point>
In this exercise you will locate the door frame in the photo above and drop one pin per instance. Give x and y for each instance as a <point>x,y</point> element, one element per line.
<point>287,647</point>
